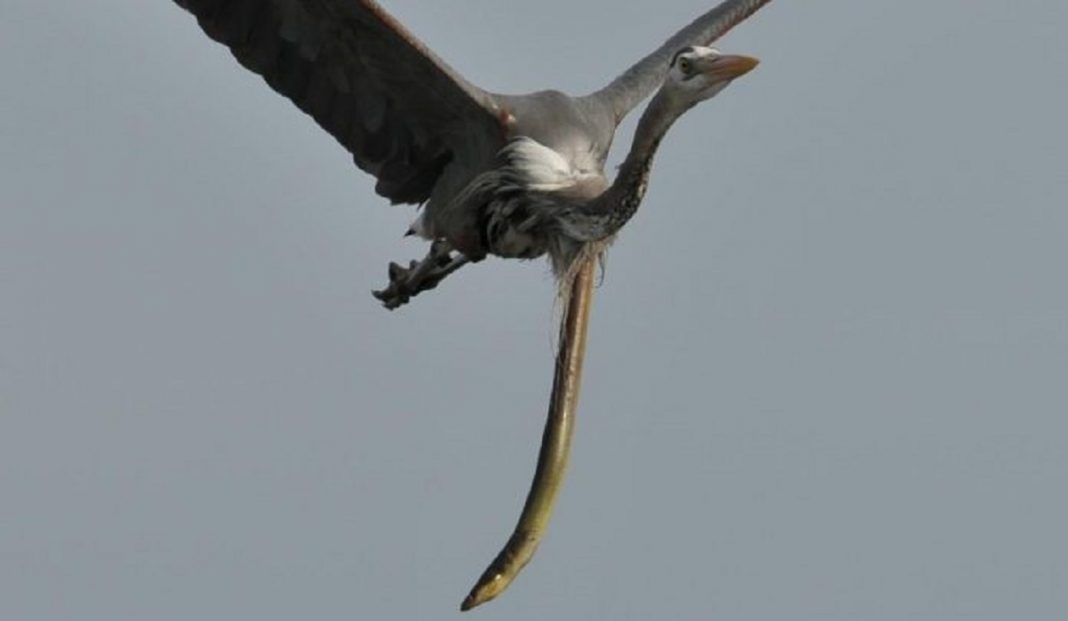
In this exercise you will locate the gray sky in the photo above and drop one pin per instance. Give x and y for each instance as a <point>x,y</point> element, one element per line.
<point>828,367</point>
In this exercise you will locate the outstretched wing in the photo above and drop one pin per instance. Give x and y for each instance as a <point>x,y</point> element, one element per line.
<point>638,82</point>
<point>401,111</point>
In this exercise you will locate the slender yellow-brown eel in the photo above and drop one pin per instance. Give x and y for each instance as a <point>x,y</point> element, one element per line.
<point>555,442</point>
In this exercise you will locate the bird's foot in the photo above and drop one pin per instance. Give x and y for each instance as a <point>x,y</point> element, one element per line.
<point>407,282</point>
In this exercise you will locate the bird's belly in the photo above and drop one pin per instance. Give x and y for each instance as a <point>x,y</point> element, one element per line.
<point>513,232</point>
<point>513,244</point>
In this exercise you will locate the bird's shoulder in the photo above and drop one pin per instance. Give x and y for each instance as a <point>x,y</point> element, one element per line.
<point>562,123</point>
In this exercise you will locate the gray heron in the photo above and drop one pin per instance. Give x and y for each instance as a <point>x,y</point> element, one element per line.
<point>511,176</point>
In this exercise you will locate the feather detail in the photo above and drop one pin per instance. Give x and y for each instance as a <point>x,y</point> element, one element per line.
<point>535,167</point>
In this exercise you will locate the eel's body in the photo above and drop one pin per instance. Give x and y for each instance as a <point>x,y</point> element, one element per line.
<point>555,443</point>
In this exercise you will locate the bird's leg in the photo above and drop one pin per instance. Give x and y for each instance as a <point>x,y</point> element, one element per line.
<point>407,282</point>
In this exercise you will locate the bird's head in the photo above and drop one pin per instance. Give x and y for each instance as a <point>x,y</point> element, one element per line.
<point>699,73</point>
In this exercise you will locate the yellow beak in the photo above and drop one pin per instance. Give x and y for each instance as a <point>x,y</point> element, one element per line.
<point>728,66</point>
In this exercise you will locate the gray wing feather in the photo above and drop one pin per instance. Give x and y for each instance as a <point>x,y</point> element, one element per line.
<point>638,82</point>
<point>401,111</point>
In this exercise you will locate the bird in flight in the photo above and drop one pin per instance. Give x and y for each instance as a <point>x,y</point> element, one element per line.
<point>515,176</point>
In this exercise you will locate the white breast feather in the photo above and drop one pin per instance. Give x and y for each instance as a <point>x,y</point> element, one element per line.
<point>543,169</point>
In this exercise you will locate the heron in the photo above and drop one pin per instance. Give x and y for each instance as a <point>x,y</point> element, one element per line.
<point>513,176</point>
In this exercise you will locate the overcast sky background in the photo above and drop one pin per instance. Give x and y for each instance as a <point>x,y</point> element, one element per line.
<point>827,375</point>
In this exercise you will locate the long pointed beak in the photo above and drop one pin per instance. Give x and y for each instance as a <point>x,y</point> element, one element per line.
<point>729,66</point>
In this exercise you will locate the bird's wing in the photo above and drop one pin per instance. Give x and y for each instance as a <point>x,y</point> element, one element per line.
<point>400,110</point>
<point>640,80</point>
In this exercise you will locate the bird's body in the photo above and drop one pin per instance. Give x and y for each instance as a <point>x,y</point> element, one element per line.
<point>427,133</point>
<point>552,155</point>
<point>512,176</point>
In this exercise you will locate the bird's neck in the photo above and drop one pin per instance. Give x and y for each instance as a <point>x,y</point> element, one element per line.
<point>606,214</point>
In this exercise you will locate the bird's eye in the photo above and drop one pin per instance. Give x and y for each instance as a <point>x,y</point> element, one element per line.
<point>685,65</point>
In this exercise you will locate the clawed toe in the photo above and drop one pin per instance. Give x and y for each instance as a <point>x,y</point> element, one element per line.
<point>407,282</point>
